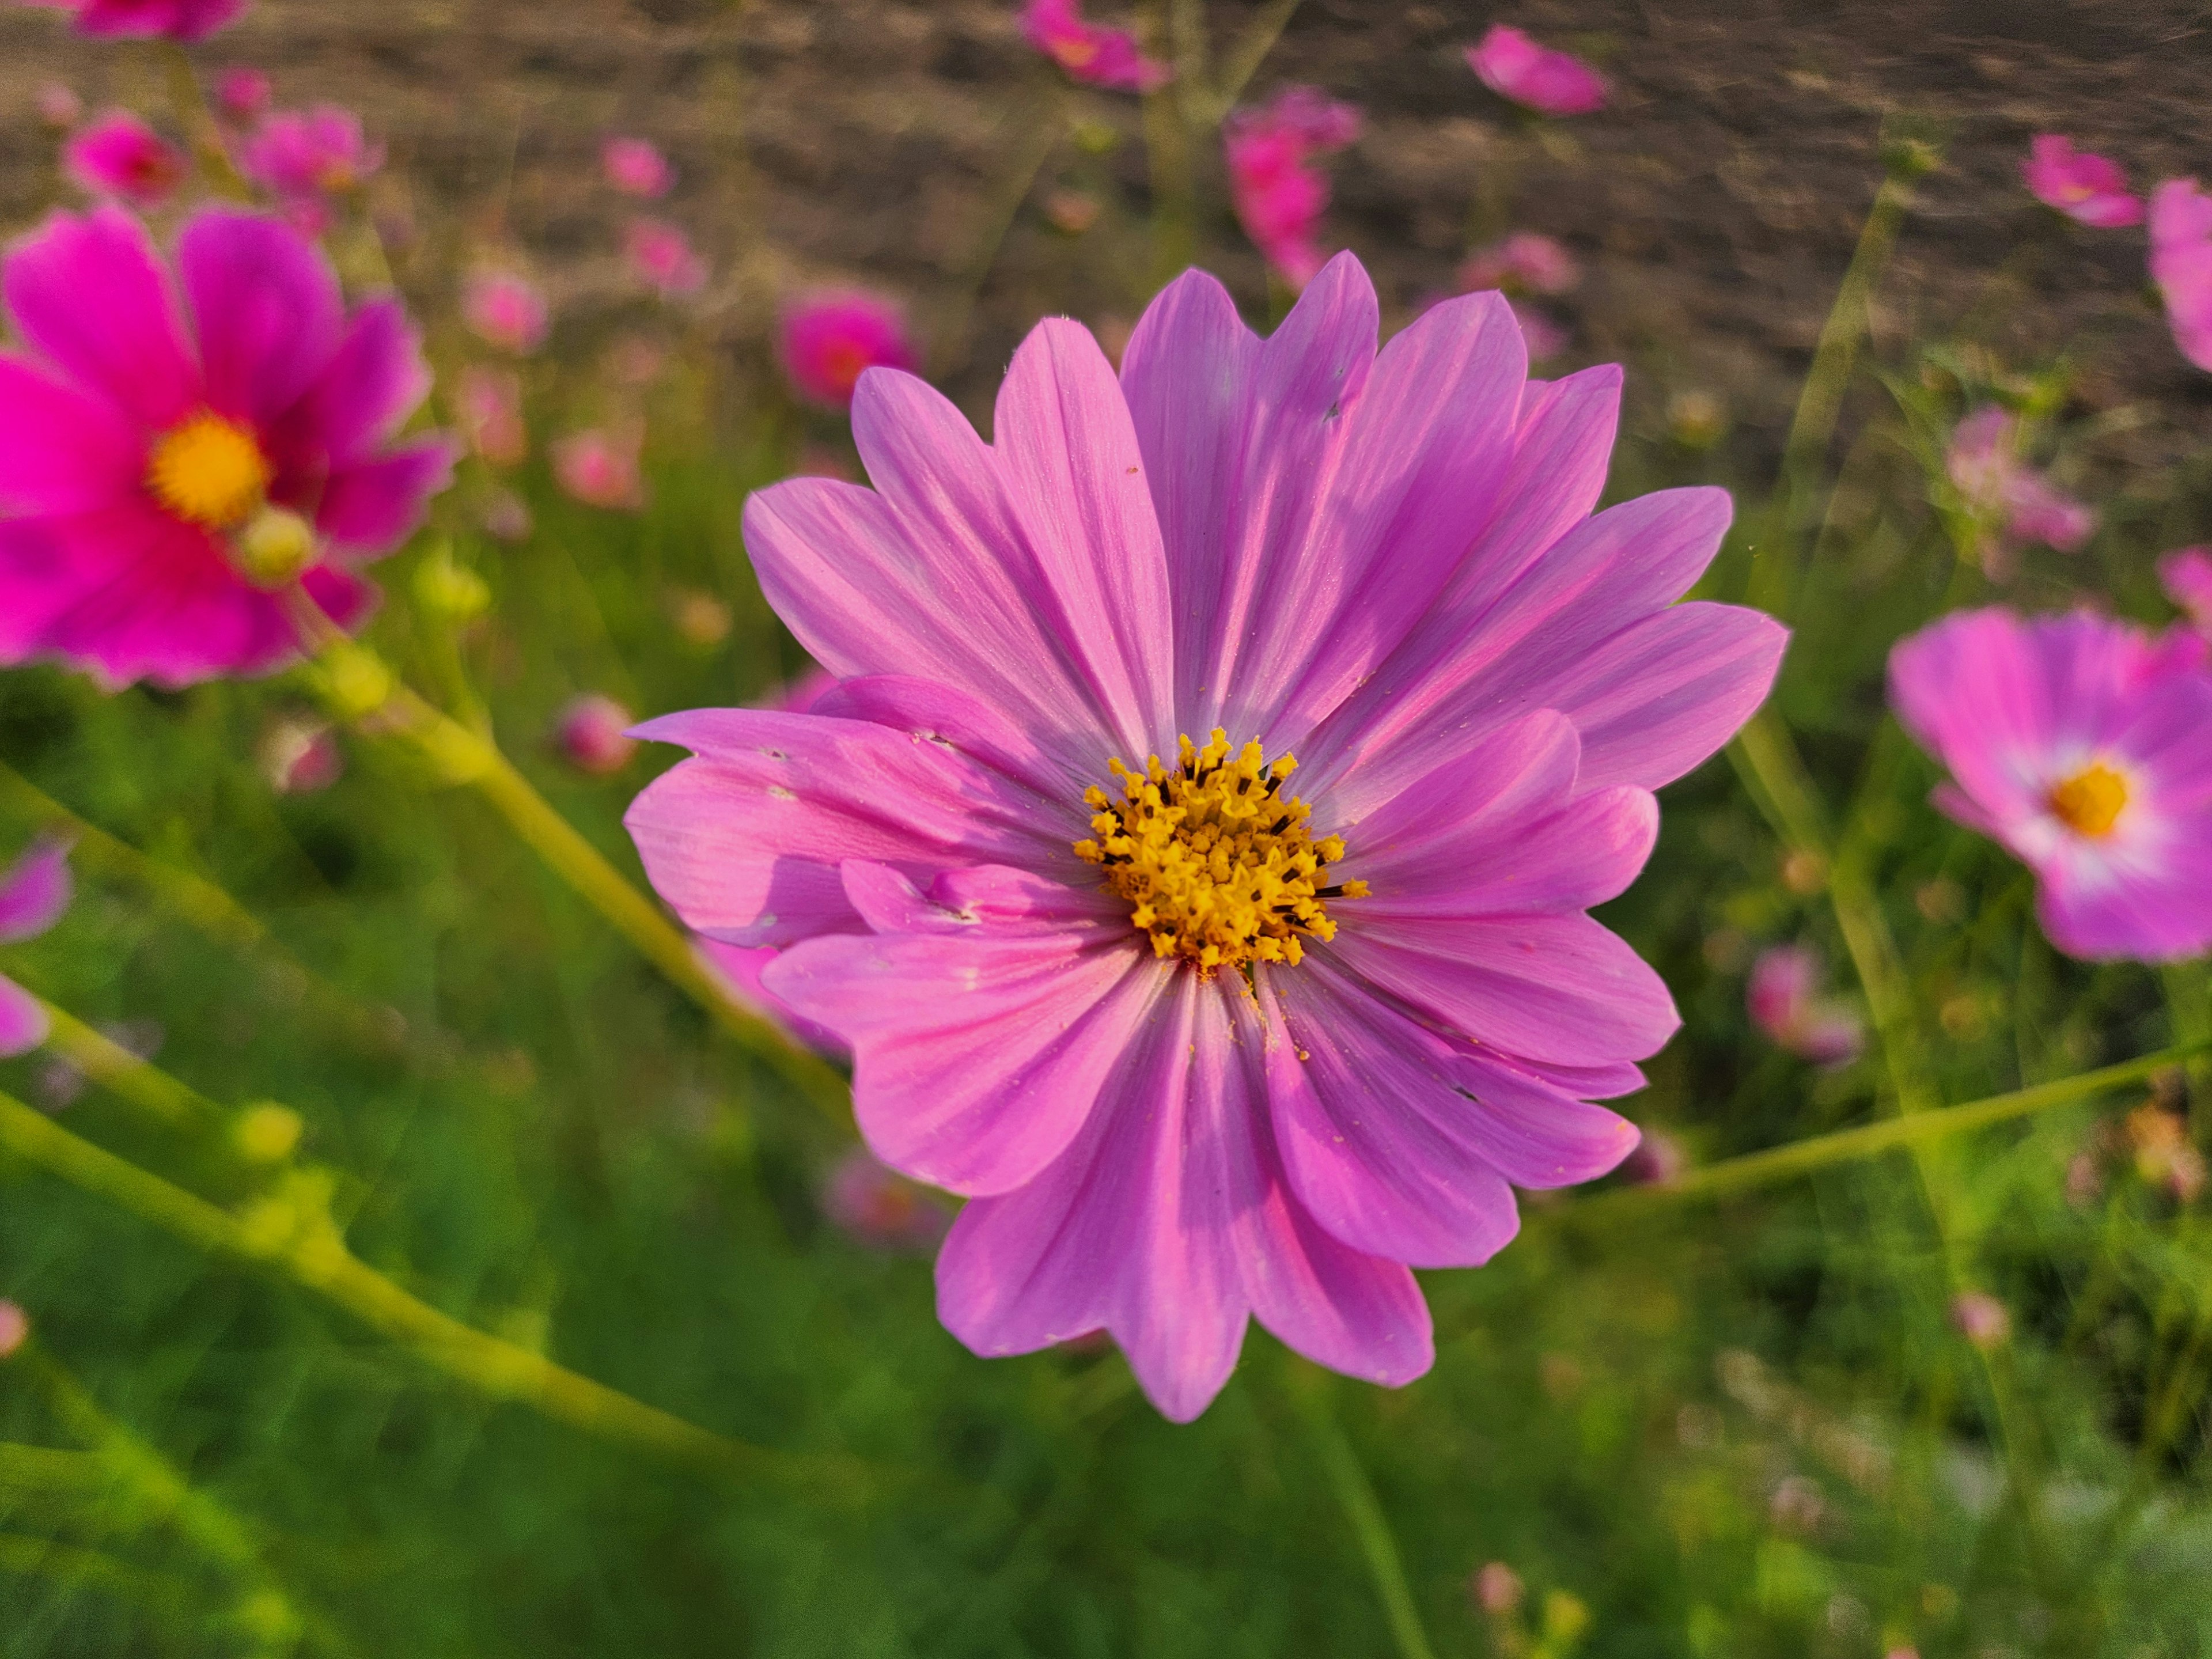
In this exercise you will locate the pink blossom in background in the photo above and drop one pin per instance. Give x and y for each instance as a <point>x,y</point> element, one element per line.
<point>298,756</point>
<point>1496,1588</point>
<point>2079,744</point>
<point>243,95</point>
<point>1089,52</point>
<point>506,518</point>
<point>1550,82</point>
<point>305,157</point>
<point>170,443</point>
<point>1784,1001</point>
<point>147,19</point>
<point>505,309</point>
<point>34,890</point>
<point>14,1328</point>
<point>600,468</point>
<point>829,337</point>
<point>1174,1109</point>
<point>591,732</point>
<point>635,167</point>
<point>661,257</point>
<point>2079,185</point>
<point>58,105</point>
<point>2181,264</point>
<point>489,402</point>
<point>2185,573</point>
<point>881,1208</point>
<point>1543,338</point>
<point>1527,262</point>
<point>119,156</point>
<point>2019,505</point>
<point>1278,194</point>
<point>1981,1319</point>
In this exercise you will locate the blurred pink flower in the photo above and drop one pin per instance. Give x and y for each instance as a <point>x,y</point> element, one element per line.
<point>2181,264</point>
<point>881,1209</point>
<point>829,337</point>
<point>2185,573</point>
<point>1539,334</point>
<point>14,1328</point>
<point>120,155</point>
<point>1527,262</point>
<point>243,95</point>
<point>635,167</point>
<point>600,468</point>
<point>1981,1319</point>
<point>1550,82</point>
<point>507,517</point>
<point>1094,55</point>
<point>591,732</point>
<point>1280,196</point>
<point>146,20</point>
<point>304,157</point>
<point>34,890</point>
<point>1782,997</point>
<point>2019,504</point>
<point>661,257</point>
<point>506,309</point>
<point>60,107</point>
<point>1496,1588</point>
<point>299,755</point>
<point>489,402</point>
<point>2079,185</point>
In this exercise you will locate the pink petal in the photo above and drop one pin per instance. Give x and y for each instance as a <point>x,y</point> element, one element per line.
<point>23,1024</point>
<point>374,380</point>
<point>89,294</point>
<point>60,451</point>
<point>940,714</point>
<point>265,304</point>
<point>34,890</point>
<point>371,506</point>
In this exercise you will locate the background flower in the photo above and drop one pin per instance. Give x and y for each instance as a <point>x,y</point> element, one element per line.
<point>304,158</point>
<point>1278,194</point>
<point>635,167</point>
<point>34,892</point>
<point>829,337</point>
<point>2181,263</point>
<point>173,19</point>
<point>118,155</point>
<point>506,309</point>
<point>1096,55</point>
<point>2079,185</point>
<point>1550,82</point>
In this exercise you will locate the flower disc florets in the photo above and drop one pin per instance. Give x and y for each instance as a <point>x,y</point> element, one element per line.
<point>1218,866</point>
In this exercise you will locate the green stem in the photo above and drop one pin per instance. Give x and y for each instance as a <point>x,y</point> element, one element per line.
<point>154,1092</point>
<point>1168,159</point>
<point>192,111</point>
<point>956,334</point>
<point>1242,60</point>
<point>1376,1544</point>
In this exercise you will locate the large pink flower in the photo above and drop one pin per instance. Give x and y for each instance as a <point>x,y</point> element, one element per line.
<point>2181,263</point>
<point>166,444</point>
<point>1095,55</point>
<point>34,890</point>
<point>1278,194</point>
<point>2084,746</point>
<point>172,19</point>
<point>2079,185</point>
<point>1214,1038</point>
<point>1550,82</point>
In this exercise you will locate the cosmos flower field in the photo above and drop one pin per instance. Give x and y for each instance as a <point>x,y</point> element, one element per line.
<point>1297,970</point>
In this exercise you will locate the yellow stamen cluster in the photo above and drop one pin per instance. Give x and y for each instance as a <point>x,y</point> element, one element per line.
<point>209,471</point>
<point>1218,864</point>
<point>2091,800</point>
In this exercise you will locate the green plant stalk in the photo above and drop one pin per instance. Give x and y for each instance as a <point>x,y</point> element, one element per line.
<point>43,1557</point>
<point>956,333</point>
<point>1168,159</point>
<point>1369,1524</point>
<point>152,1090</point>
<point>190,105</point>
<point>1242,60</point>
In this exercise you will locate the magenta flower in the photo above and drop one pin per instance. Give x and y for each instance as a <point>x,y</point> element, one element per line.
<point>2079,185</point>
<point>2078,744</point>
<point>881,1208</point>
<point>1784,1001</point>
<point>305,157</point>
<point>1094,55</point>
<point>591,732</point>
<point>2181,264</point>
<point>1527,262</point>
<point>2185,573</point>
<point>489,402</point>
<point>2019,505</point>
<point>1550,82</point>
<point>505,310</point>
<point>1278,194</point>
<point>173,451</point>
<point>34,890</point>
<point>119,156</point>
<point>599,468</point>
<point>740,968</point>
<point>1208,1033</point>
<point>243,95</point>
<point>14,1328</point>
<point>635,167</point>
<point>831,337</point>
<point>146,20</point>
<point>661,257</point>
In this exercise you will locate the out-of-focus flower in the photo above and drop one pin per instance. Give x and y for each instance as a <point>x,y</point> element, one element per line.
<point>2159,1140</point>
<point>58,105</point>
<point>1278,194</point>
<point>700,620</point>
<point>2079,185</point>
<point>34,890</point>
<point>505,308</point>
<point>1539,334</point>
<point>1073,211</point>
<point>2019,506</point>
<point>662,258</point>
<point>1782,997</point>
<point>146,20</point>
<point>120,155</point>
<point>1550,82</point>
<point>14,1328</point>
<point>1981,1319</point>
<point>1495,1588</point>
<point>2073,742</point>
<point>591,732</point>
<point>1089,52</point>
<point>1658,1159</point>
<point>489,403</point>
<point>635,167</point>
<point>507,517</point>
<point>829,337</point>
<point>243,95</point>
<point>306,157</point>
<point>299,755</point>
<point>2185,573</point>
<point>881,1208</point>
<point>1797,1505</point>
<point>2181,264</point>
<point>1696,419</point>
<point>175,452</point>
<point>1182,1093</point>
<point>1527,262</point>
<point>599,467</point>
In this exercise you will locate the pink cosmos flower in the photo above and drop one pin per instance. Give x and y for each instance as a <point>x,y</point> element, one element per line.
<point>881,1208</point>
<point>2181,264</point>
<point>599,468</point>
<point>2019,504</point>
<point>145,20</point>
<point>174,449</point>
<point>591,732</point>
<point>2185,573</point>
<point>2079,185</point>
<point>661,257</point>
<point>1094,55</point>
<point>120,155</point>
<point>635,167</point>
<point>1981,1319</point>
<point>489,402</point>
<point>305,157</point>
<point>1784,1001</point>
<point>1527,262</point>
<point>1550,82</point>
<point>243,95</point>
<point>831,337</point>
<point>2073,743</point>
<point>60,107</point>
<point>1223,1035</point>
<point>1280,196</point>
<point>14,1328</point>
<point>34,890</point>
<point>505,309</point>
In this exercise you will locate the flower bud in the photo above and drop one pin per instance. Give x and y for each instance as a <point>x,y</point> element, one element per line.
<point>275,548</point>
<point>266,1133</point>
<point>354,682</point>
<point>448,590</point>
<point>590,734</point>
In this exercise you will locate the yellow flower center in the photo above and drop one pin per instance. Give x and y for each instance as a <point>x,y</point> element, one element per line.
<point>2090,801</point>
<point>1217,863</point>
<point>209,471</point>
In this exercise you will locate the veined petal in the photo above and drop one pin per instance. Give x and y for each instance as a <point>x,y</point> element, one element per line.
<point>61,451</point>
<point>266,306</point>
<point>90,295</point>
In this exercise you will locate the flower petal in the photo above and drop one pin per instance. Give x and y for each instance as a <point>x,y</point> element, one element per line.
<point>90,295</point>
<point>23,1023</point>
<point>368,507</point>
<point>937,712</point>
<point>60,451</point>
<point>265,304</point>
<point>34,890</point>
<point>374,380</point>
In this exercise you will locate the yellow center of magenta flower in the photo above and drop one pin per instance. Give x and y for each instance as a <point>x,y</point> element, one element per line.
<point>2090,801</point>
<point>209,471</point>
<point>1217,863</point>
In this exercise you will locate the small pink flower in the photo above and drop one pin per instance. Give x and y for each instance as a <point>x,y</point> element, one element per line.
<point>1089,52</point>
<point>2079,185</point>
<point>591,732</point>
<point>1280,196</point>
<point>1550,82</point>
<point>2185,573</point>
<point>298,756</point>
<point>1542,336</point>
<point>2020,505</point>
<point>60,107</point>
<point>635,167</point>
<point>304,158</point>
<point>2181,264</point>
<point>243,95</point>
<point>120,157</point>
<point>661,257</point>
<point>1981,1319</point>
<point>2082,745</point>
<point>1658,1159</point>
<point>147,19</point>
<point>1527,262</point>
<point>831,337</point>
<point>1783,999</point>
<point>34,890</point>
<point>506,309</point>
<point>489,403</point>
<point>1496,1588</point>
<point>599,468</point>
<point>881,1209</point>
<point>14,1328</point>
<point>506,518</point>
